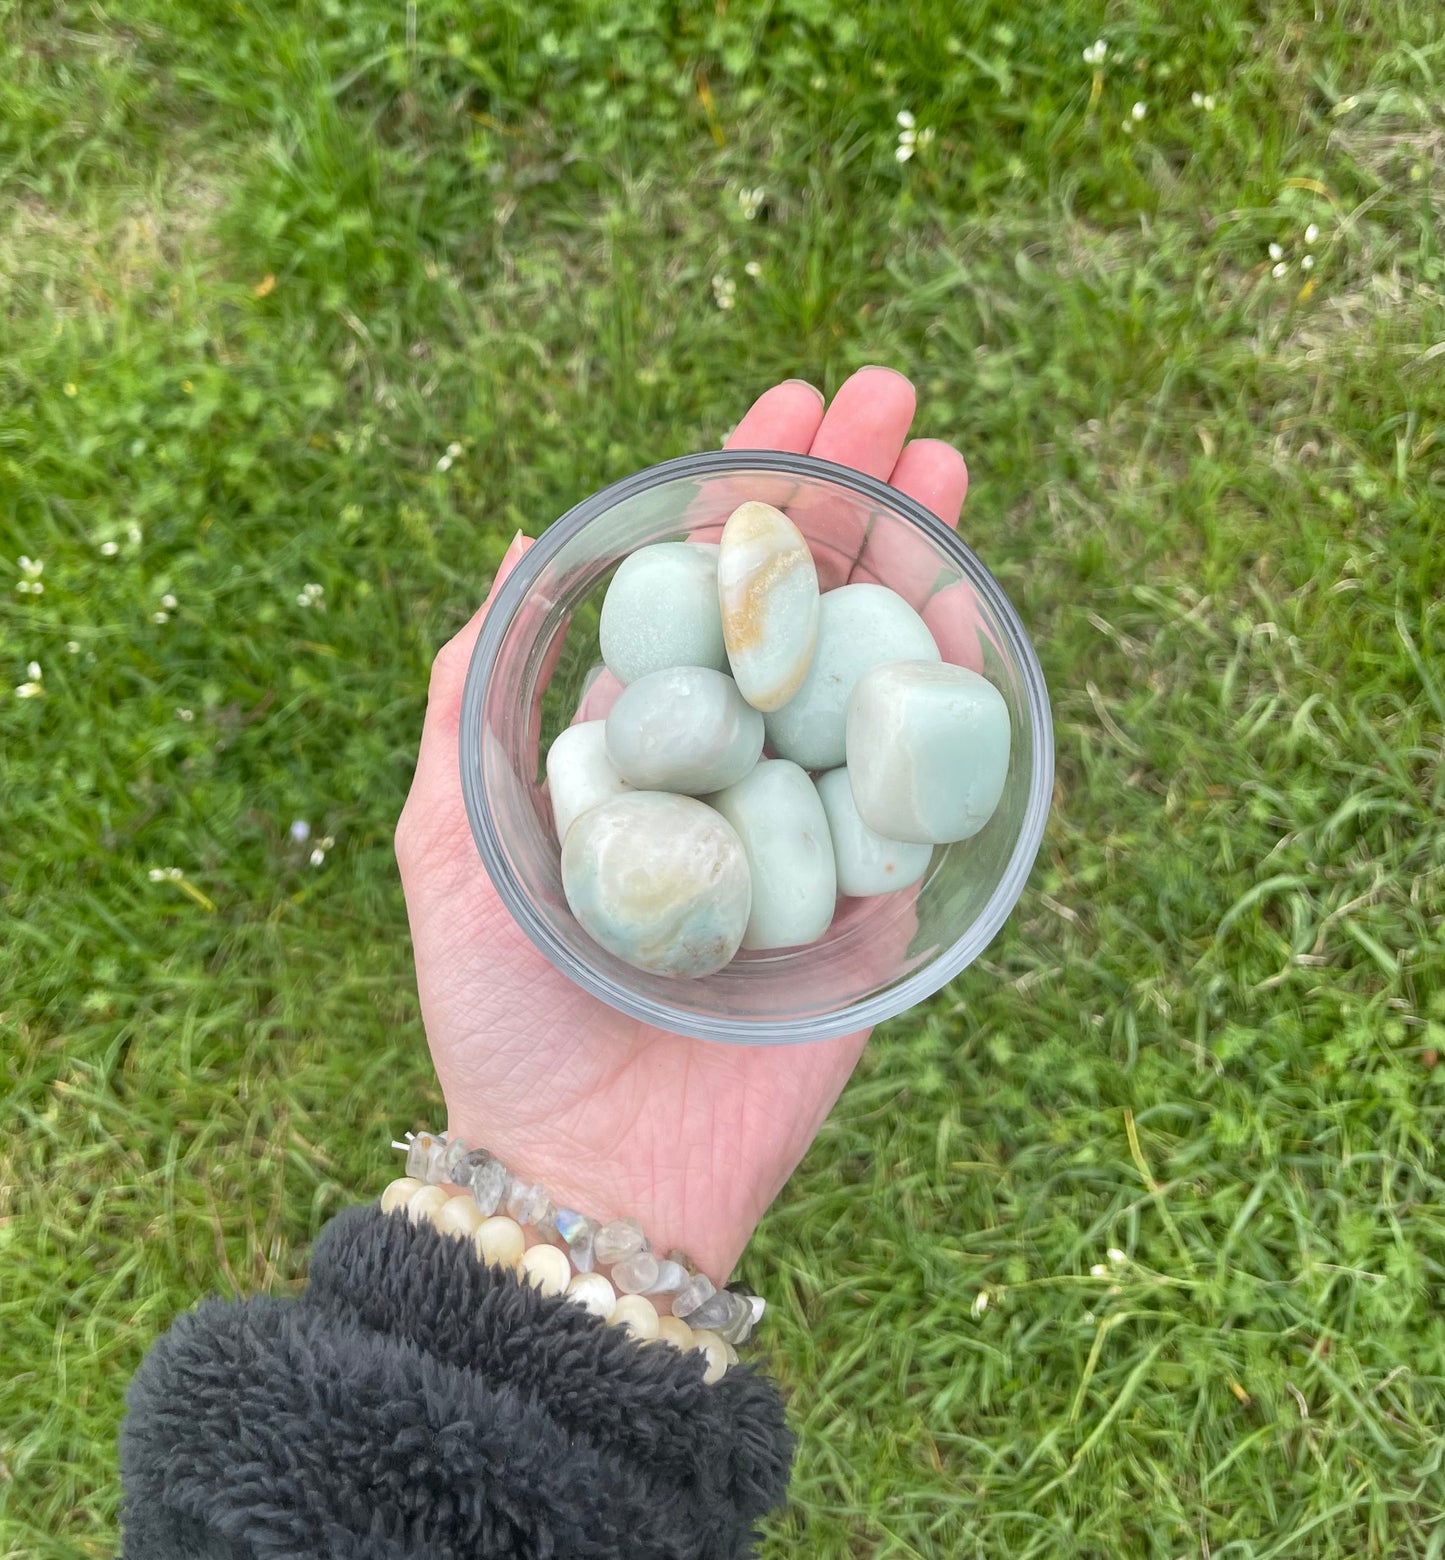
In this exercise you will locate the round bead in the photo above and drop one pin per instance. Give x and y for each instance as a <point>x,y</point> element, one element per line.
<point>635,1275</point>
<point>660,881</point>
<point>400,1193</point>
<point>499,1241</point>
<point>638,1316</point>
<point>732,1354</point>
<point>459,1216</point>
<point>546,1268</point>
<point>618,1240</point>
<point>593,1293</point>
<point>426,1204</point>
<point>677,1333</point>
<point>768,591</point>
<point>714,1351</point>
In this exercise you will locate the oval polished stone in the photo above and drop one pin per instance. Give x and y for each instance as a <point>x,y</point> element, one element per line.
<point>928,750</point>
<point>580,774</point>
<point>661,610</point>
<point>768,590</point>
<point>859,627</point>
<point>686,729</point>
<point>780,820</point>
<point>661,881</point>
<point>867,862</point>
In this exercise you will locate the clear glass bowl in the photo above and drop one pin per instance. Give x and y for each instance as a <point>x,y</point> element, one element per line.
<point>538,655</point>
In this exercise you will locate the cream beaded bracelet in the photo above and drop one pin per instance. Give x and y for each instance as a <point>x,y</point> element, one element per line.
<point>492,1208</point>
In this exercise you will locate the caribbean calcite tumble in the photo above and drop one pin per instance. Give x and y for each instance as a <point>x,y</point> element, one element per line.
<point>784,831</point>
<point>867,862</point>
<point>768,592</point>
<point>661,610</point>
<point>660,881</point>
<point>859,627</point>
<point>686,729</point>
<point>580,774</point>
<point>928,751</point>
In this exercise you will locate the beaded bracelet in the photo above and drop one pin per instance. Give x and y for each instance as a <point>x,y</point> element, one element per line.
<point>492,1207</point>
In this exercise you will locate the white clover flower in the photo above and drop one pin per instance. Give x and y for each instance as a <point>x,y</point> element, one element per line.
<point>319,854</point>
<point>454,449</point>
<point>132,534</point>
<point>109,549</point>
<point>1098,1271</point>
<point>73,646</point>
<point>724,291</point>
<point>1307,263</point>
<point>1275,252</point>
<point>906,120</point>
<point>1138,111</point>
<point>160,617</point>
<point>1127,126</point>
<point>445,463</point>
<point>1204,100</point>
<point>1278,270</point>
<point>910,138</point>
<point>185,716</point>
<point>754,269</point>
<point>980,1303</point>
<point>750,202</point>
<point>165,874</point>
<point>300,831</point>
<point>33,671</point>
<point>311,595</point>
<point>1096,53</point>
<point>1312,232</point>
<point>1116,1256</point>
<point>168,601</point>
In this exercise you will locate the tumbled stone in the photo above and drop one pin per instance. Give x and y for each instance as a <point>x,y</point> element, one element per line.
<point>660,881</point>
<point>686,729</point>
<point>635,1275</point>
<point>698,1289</point>
<point>928,751</point>
<point>661,610</point>
<point>580,774</point>
<point>768,590</point>
<point>616,1241</point>
<point>780,820</point>
<point>713,1313</point>
<point>859,627</point>
<point>867,862</point>
<point>670,1277</point>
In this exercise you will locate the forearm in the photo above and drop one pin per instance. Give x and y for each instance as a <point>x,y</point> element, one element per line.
<point>414,1400</point>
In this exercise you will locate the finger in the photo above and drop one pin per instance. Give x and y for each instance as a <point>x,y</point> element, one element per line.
<point>900,556</point>
<point>867,423</point>
<point>864,428</point>
<point>783,418</point>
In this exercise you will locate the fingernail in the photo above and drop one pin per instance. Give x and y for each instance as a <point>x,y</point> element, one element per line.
<point>514,548</point>
<point>807,385</point>
<point>886,368</point>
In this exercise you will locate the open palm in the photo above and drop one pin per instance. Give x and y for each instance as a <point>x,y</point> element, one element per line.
<point>691,1137</point>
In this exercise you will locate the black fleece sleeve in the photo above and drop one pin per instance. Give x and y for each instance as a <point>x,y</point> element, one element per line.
<point>416,1403</point>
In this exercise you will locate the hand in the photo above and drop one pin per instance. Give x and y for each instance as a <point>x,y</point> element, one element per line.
<point>692,1138</point>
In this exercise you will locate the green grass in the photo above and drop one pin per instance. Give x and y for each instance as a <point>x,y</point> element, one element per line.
<point>261,263</point>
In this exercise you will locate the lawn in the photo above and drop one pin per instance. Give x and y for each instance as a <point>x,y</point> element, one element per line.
<point>1132,1243</point>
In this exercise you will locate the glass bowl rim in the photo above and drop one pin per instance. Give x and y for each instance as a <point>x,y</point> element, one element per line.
<point>896,999</point>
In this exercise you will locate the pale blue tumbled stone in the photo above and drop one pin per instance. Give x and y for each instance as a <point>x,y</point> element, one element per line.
<point>687,729</point>
<point>660,881</point>
<point>768,589</point>
<point>859,626</point>
<point>580,774</point>
<point>661,610</point>
<point>928,750</point>
<point>780,820</point>
<point>867,862</point>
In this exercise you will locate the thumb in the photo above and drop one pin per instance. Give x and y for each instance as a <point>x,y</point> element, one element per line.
<point>449,669</point>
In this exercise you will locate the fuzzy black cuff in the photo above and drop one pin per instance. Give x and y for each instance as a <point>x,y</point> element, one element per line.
<point>416,1403</point>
